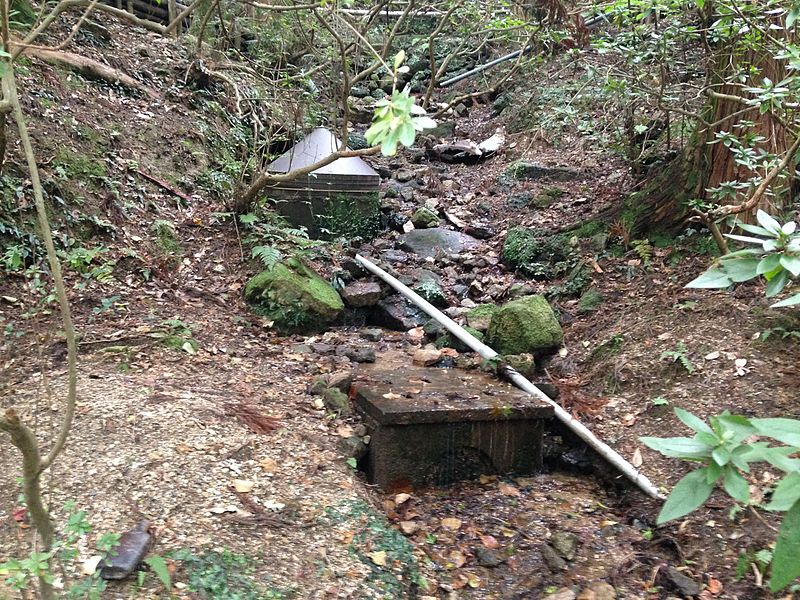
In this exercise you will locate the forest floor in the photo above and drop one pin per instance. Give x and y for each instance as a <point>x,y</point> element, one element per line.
<point>172,362</point>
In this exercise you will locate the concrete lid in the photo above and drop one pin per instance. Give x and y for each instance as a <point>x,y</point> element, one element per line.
<point>314,147</point>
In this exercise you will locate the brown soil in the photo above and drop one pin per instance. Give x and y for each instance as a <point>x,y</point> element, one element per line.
<point>160,432</point>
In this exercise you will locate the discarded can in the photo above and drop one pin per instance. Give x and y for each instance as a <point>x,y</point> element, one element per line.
<point>133,546</point>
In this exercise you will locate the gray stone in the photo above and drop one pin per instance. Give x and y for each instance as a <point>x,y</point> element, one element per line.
<point>361,354</point>
<point>341,380</point>
<point>361,293</point>
<point>481,231</point>
<point>404,175</point>
<point>372,334</point>
<point>488,557</point>
<point>397,314</point>
<point>429,242</point>
<point>684,584</point>
<point>598,590</point>
<point>561,594</point>
<point>323,349</point>
<point>551,558</point>
<point>566,544</point>
<point>353,447</point>
<point>394,256</point>
<point>531,170</point>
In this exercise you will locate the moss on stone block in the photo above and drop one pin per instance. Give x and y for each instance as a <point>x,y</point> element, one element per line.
<point>480,316</point>
<point>294,296</point>
<point>590,301</point>
<point>536,254</point>
<point>527,325</point>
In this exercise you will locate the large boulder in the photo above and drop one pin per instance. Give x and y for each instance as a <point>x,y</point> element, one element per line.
<point>429,242</point>
<point>527,325</point>
<point>294,296</point>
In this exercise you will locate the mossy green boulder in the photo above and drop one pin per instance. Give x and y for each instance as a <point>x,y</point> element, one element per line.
<point>526,325</point>
<point>294,296</point>
<point>480,316</point>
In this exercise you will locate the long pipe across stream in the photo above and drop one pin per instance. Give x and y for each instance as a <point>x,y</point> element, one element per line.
<point>603,449</point>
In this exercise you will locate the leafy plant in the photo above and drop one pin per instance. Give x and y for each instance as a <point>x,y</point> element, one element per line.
<point>725,448</point>
<point>680,355</point>
<point>776,258</point>
<point>395,121</point>
<point>269,255</point>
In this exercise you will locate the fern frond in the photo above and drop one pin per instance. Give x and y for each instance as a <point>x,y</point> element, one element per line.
<point>269,255</point>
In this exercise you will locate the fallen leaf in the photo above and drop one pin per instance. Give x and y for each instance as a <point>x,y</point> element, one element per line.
<point>714,586</point>
<point>473,580</point>
<point>489,541</point>
<point>270,465</point>
<point>379,557</point>
<point>400,498</point>
<point>628,420</point>
<point>409,527</point>
<point>636,460</point>
<point>455,560</point>
<point>273,505</point>
<point>392,396</point>
<point>451,523</point>
<point>218,510</point>
<point>712,355</point>
<point>344,431</point>
<point>508,490</point>
<point>243,486</point>
<point>89,566</point>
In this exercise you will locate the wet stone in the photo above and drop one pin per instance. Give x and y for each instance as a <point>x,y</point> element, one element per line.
<point>551,558</point>
<point>488,557</point>
<point>430,242</point>
<point>361,354</point>
<point>361,293</point>
<point>682,583</point>
<point>397,314</point>
<point>372,334</point>
<point>565,544</point>
<point>598,590</point>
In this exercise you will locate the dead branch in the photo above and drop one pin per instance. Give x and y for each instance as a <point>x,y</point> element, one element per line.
<point>90,67</point>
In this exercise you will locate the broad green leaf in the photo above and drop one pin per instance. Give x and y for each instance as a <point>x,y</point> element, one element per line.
<point>407,134</point>
<point>744,238</point>
<point>786,493</point>
<point>713,472</point>
<point>792,301</point>
<point>399,58</point>
<point>739,458</point>
<point>713,278</point>
<point>768,264</point>
<point>721,455</point>
<point>777,283</point>
<point>791,263</point>
<point>768,223</point>
<point>736,485</point>
<point>740,269</point>
<point>777,456</point>
<point>754,229</point>
<point>792,17</point>
<point>695,423</point>
<point>688,494</point>
<point>785,566</point>
<point>740,426</point>
<point>789,227</point>
<point>786,431</point>
<point>678,447</point>
<point>159,567</point>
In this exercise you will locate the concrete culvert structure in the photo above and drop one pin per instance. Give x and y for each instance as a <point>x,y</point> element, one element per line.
<point>339,199</point>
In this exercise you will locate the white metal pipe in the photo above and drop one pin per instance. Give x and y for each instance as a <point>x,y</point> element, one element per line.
<point>603,449</point>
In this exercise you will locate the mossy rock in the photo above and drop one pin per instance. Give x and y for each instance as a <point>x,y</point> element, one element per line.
<point>294,296</point>
<point>432,292</point>
<point>424,218</point>
<point>591,300</point>
<point>524,326</point>
<point>547,196</point>
<point>537,254</point>
<point>480,316</point>
<point>524,364</point>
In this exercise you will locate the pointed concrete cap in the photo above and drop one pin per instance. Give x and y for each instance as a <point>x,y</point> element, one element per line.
<point>314,147</point>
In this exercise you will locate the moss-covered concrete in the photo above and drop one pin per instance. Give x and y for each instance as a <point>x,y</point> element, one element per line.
<point>526,325</point>
<point>293,296</point>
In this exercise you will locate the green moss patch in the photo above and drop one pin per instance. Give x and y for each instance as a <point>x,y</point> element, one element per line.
<point>523,326</point>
